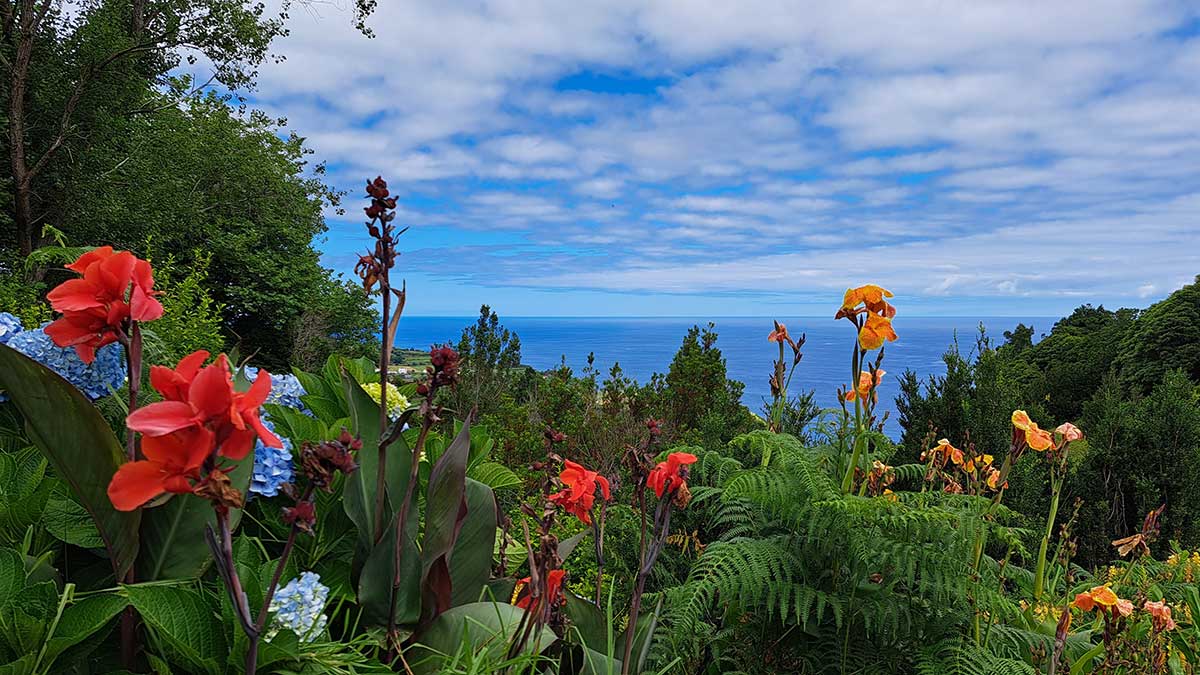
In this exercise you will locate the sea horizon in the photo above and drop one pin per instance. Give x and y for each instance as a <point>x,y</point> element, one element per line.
<point>644,345</point>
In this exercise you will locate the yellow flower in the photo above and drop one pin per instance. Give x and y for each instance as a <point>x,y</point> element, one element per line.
<point>942,452</point>
<point>871,297</point>
<point>876,329</point>
<point>1035,437</point>
<point>1102,597</point>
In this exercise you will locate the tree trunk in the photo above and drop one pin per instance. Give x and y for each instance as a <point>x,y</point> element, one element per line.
<point>27,19</point>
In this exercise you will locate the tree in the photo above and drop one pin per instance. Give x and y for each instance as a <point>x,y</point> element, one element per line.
<point>490,355</point>
<point>69,74</point>
<point>1166,336</point>
<point>698,399</point>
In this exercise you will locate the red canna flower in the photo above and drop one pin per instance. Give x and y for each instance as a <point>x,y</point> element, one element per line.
<point>113,288</point>
<point>553,589</point>
<point>172,461</point>
<point>580,494</point>
<point>668,476</point>
<point>204,397</point>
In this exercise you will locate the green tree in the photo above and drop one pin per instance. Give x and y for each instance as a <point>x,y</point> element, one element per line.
<point>699,401</point>
<point>1166,336</point>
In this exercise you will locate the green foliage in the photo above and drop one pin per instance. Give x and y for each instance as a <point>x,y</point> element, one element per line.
<point>697,396</point>
<point>191,318</point>
<point>1165,337</point>
<point>78,443</point>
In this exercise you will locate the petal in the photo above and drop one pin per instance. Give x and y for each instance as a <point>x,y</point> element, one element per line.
<point>257,394</point>
<point>95,255</point>
<point>161,418</point>
<point>1020,420</point>
<point>604,487</point>
<point>169,383</point>
<point>190,365</point>
<point>134,484</point>
<point>74,295</point>
<point>144,307</point>
<point>65,332</point>
<point>181,452</point>
<point>238,444</point>
<point>268,437</point>
<point>211,393</point>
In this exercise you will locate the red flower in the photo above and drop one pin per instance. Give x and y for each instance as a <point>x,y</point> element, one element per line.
<point>113,288</point>
<point>205,398</point>
<point>553,589</point>
<point>580,494</point>
<point>171,461</point>
<point>669,475</point>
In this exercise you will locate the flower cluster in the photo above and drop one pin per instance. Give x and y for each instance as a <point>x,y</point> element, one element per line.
<point>980,469</point>
<point>286,390</point>
<point>114,287</point>
<point>299,607</point>
<point>200,412</point>
<point>580,495</point>
<point>97,379</point>
<point>1160,616</point>
<point>1034,437</point>
<point>320,462</point>
<point>397,402</point>
<point>272,466</point>
<point>442,371</point>
<point>875,324</point>
<point>9,326</point>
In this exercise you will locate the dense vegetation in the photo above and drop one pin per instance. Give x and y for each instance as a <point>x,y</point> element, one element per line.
<point>210,463</point>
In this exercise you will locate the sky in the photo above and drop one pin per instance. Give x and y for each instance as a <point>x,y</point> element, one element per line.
<point>756,158</point>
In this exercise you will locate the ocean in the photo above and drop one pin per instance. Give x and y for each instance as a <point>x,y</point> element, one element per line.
<point>645,345</point>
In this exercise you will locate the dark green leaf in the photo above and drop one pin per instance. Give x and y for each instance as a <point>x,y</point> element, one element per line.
<point>483,625</point>
<point>80,445</point>
<point>186,623</point>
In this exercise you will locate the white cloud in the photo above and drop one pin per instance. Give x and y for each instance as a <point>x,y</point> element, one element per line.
<point>956,142</point>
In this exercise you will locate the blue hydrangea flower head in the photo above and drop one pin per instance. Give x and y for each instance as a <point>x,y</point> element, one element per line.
<point>299,607</point>
<point>286,390</point>
<point>9,326</point>
<point>95,380</point>
<point>272,466</point>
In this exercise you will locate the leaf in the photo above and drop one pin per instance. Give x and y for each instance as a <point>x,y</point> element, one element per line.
<point>481,625</point>
<point>82,619</point>
<point>471,561</point>
<point>567,546</point>
<point>66,519</point>
<point>79,444</point>
<point>185,621</point>
<point>12,574</point>
<point>495,475</point>
<point>358,497</point>
<point>445,511</point>
<point>27,615</point>
<point>590,623</point>
<point>173,544</point>
<point>375,579</point>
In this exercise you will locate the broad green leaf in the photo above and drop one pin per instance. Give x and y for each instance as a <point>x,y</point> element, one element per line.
<point>27,615</point>
<point>66,519</point>
<point>173,544</point>
<point>22,666</point>
<point>567,546</point>
<point>12,574</point>
<point>359,492</point>
<point>375,579</point>
<point>481,625</point>
<point>186,623</point>
<point>590,622</point>
<point>82,619</point>
<point>471,561</point>
<point>80,445</point>
<point>293,424</point>
<point>445,511</point>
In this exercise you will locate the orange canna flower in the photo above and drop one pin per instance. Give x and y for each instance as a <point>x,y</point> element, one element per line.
<point>871,297</point>
<point>1160,615</point>
<point>1035,437</point>
<point>580,494</point>
<point>866,385</point>
<point>876,329</point>
<point>1099,596</point>
<point>944,452</point>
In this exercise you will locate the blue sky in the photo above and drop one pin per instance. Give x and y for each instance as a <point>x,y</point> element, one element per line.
<point>756,158</point>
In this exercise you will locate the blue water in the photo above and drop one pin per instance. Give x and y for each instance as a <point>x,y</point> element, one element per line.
<point>644,346</point>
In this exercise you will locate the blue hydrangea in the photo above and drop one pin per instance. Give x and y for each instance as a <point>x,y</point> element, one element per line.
<point>299,607</point>
<point>95,380</point>
<point>272,466</point>
<point>286,390</point>
<point>9,326</point>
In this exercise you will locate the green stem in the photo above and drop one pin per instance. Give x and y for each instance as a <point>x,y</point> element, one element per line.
<point>1039,572</point>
